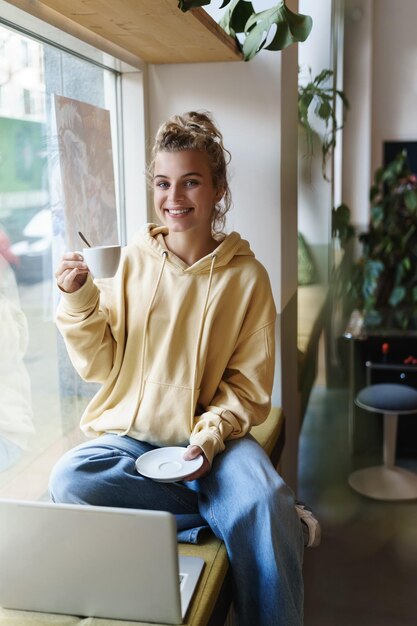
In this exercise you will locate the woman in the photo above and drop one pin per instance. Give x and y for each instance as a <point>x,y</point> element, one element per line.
<point>182,340</point>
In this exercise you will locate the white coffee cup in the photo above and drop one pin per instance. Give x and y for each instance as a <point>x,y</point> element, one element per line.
<point>102,261</point>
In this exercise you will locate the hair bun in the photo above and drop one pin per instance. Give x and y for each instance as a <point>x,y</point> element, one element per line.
<point>202,122</point>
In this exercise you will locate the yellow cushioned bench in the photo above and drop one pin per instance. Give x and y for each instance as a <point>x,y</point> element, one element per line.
<point>212,598</point>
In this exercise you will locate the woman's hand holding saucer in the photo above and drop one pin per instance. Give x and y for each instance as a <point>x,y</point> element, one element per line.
<point>191,453</point>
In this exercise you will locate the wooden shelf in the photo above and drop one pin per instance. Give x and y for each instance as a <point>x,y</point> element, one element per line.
<point>156,31</point>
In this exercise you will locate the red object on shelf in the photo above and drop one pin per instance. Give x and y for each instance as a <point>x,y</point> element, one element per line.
<point>385,350</point>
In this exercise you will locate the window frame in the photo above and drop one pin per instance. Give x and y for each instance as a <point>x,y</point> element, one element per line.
<point>131,119</point>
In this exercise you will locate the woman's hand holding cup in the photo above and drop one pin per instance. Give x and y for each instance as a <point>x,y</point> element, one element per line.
<point>72,272</point>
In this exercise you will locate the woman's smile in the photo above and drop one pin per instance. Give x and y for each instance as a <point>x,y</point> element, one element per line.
<point>178,212</point>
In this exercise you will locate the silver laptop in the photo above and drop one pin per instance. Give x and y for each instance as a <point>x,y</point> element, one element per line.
<point>94,561</point>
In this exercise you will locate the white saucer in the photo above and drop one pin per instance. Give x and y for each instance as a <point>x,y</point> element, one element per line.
<point>166,465</point>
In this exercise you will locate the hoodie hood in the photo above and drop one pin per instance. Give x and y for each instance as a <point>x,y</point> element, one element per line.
<point>230,246</point>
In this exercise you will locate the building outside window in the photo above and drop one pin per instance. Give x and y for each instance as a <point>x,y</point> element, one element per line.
<point>42,398</point>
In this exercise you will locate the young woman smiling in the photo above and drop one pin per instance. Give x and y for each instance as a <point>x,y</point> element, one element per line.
<point>182,340</point>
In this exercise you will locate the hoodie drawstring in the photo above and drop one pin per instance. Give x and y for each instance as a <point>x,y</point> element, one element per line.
<point>199,336</point>
<point>145,337</point>
<point>200,333</point>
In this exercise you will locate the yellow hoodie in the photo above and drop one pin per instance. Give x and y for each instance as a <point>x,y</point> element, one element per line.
<point>185,354</point>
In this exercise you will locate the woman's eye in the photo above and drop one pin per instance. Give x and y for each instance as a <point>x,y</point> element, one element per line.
<point>162,185</point>
<point>191,183</point>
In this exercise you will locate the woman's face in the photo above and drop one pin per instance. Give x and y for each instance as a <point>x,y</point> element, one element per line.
<point>184,194</point>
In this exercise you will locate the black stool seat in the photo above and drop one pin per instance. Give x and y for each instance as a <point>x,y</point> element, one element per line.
<point>387,398</point>
<point>387,481</point>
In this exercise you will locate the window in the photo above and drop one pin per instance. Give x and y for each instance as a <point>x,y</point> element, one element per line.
<point>42,398</point>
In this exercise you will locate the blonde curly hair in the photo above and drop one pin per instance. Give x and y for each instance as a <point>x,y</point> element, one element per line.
<point>197,131</point>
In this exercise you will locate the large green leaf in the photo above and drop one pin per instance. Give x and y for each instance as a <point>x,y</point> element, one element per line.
<point>290,28</point>
<point>235,17</point>
<point>299,27</point>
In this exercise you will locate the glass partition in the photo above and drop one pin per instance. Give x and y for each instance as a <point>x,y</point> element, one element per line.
<point>41,397</point>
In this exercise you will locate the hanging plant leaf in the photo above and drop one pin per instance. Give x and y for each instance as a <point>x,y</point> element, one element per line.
<point>235,18</point>
<point>224,4</point>
<point>186,5</point>
<point>291,28</point>
<point>298,29</point>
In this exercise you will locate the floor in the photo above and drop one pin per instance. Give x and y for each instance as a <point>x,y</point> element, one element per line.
<point>365,571</point>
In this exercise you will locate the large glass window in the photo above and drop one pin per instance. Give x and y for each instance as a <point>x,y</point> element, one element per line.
<point>41,397</point>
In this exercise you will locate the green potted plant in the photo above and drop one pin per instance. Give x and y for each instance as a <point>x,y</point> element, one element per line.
<point>320,96</point>
<point>240,18</point>
<point>384,280</point>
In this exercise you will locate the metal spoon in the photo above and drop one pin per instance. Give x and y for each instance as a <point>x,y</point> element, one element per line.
<point>84,239</point>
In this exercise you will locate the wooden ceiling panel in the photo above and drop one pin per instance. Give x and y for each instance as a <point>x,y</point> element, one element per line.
<point>156,31</point>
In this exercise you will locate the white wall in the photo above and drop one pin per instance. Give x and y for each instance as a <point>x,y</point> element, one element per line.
<point>394,74</point>
<point>134,117</point>
<point>358,89</point>
<point>381,84</point>
<point>314,193</point>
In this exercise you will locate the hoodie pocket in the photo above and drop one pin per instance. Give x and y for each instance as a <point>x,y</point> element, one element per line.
<point>164,416</point>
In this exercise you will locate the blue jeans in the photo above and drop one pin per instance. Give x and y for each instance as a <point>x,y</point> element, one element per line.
<point>243,500</point>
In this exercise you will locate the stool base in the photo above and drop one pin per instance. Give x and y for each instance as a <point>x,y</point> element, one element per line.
<point>385,483</point>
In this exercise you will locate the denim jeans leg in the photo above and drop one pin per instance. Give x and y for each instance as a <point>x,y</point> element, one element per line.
<point>249,506</point>
<point>102,472</point>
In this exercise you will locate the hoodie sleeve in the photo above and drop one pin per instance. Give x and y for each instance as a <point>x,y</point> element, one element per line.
<point>83,321</point>
<point>243,397</point>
